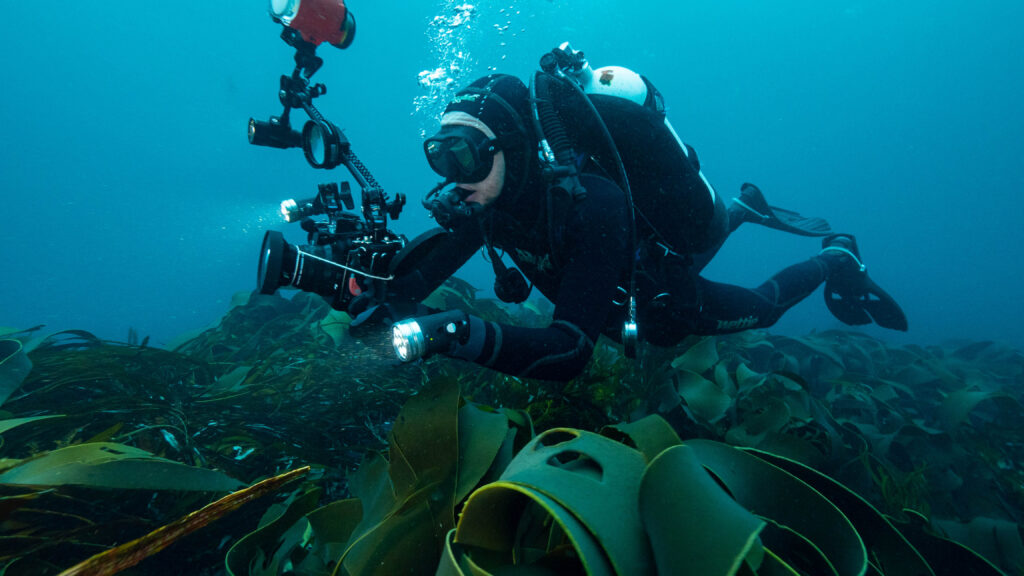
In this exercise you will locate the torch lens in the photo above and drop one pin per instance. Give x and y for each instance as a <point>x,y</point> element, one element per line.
<point>407,339</point>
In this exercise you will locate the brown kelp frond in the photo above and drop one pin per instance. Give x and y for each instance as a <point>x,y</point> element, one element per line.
<point>833,453</point>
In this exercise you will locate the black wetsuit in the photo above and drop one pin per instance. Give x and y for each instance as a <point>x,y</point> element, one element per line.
<point>582,257</point>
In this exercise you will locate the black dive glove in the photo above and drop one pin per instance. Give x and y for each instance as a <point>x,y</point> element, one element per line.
<point>445,333</point>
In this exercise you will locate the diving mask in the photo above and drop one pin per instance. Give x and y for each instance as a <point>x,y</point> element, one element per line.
<point>461,154</point>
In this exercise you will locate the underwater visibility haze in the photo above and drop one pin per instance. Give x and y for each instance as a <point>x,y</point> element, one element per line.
<point>133,200</point>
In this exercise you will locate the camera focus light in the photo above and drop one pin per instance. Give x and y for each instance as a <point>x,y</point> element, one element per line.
<point>289,208</point>
<point>408,341</point>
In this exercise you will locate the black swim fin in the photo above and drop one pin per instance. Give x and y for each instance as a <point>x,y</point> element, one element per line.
<point>751,206</point>
<point>851,295</point>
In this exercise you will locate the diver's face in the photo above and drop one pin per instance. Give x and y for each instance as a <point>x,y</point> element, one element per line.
<point>487,190</point>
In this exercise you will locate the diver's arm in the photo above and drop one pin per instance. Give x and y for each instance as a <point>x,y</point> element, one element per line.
<point>438,265</point>
<point>597,253</point>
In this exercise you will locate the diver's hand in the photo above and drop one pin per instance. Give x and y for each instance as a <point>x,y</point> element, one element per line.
<point>362,302</point>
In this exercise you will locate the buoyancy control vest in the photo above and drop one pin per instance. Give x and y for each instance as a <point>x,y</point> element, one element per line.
<point>675,205</point>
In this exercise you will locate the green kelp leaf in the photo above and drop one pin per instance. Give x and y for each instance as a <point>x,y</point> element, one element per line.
<point>595,478</point>
<point>942,372</point>
<point>107,435</point>
<point>498,519</point>
<point>184,338</point>
<point>466,290</point>
<point>481,435</point>
<point>664,398</point>
<point>886,546</point>
<point>946,557</point>
<point>799,550</point>
<point>915,375</point>
<point>883,392</point>
<point>650,435</point>
<point>519,433</point>
<point>404,542</point>
<point>706,400</point>
<point>14,367</point>
<point>775,566</point>
<point>240,299</point>
<point>756,425</point>
<point>451,558</point>
<point>903,391</point>
<point>425,440</point>
<point>9,504</point>
<point>408,503</point>
<point>976,350</point>
<point>439,298</point>
<point>802,443</point>
<point>699,358</point>
<point>12,423</point>
<point>335,324</point>
<point>330,528</point>
<point>958,405</point>
<point>371,485</point>
<point>792,381</point>
<point>799,404</point>
<point>725,381</point>
<point>108,465</point>
<point>230,382</point>
<point>997,540</point>
<point>455,293</point>
<point>523,424</point>
<point>70,340</point>
<point>747,379</point>
<point>999,358</point>
<point>753,347</point>
<point>780,497</point>
<point>260,552</point>
<point>695,527</point>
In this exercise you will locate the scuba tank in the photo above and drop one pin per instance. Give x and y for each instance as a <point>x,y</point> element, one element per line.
<point>565,68</point>
<point>677,212</point>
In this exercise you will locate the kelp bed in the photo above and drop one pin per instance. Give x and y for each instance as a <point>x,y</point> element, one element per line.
<point>751,454</point>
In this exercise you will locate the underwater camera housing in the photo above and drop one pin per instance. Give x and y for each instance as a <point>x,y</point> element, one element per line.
<point>348,252</point>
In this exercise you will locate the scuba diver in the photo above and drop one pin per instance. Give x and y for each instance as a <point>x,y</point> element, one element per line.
<point>583,183</point>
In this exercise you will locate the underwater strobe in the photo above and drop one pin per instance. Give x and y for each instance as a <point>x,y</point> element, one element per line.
<point>317,20</point>
<point>307,24</point>
<point>347,252</point>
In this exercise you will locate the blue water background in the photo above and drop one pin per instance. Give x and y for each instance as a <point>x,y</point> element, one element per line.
<point>131,197</point>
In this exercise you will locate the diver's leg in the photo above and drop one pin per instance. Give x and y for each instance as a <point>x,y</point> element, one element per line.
<point>718,232</point>
<point>751,206</point>
<point>852,296</point>
<point>726,308</point>
<point>694,305</point>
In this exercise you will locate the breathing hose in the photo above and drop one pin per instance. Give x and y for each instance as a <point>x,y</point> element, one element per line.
<point>558,156</point>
